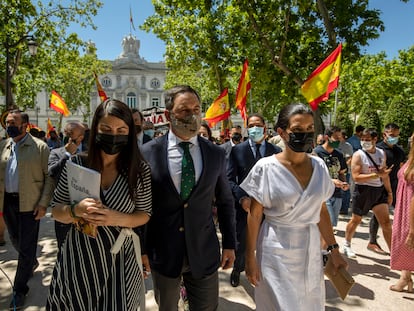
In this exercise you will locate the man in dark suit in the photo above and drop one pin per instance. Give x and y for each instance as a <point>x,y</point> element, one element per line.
<point>75,133</point>
<point>188,173</point>
<point>142,138</point>
<point>242,159</point>
<point>235,138</point>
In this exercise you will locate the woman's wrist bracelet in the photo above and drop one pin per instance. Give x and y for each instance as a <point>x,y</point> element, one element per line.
<point>332,247</point>
<point>72,211</point>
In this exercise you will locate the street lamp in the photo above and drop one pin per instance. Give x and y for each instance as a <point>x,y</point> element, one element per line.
<point>32,45</point>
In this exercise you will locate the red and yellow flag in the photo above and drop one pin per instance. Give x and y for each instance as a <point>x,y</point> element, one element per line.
<point>50,128</point>
<point>219,109</point>
<point>101,92</point>
<point>242,90</point>
<point>58,104</point>
<point>323,80</point>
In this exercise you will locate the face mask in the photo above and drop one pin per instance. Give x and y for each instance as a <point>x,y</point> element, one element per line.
<point>187,127</point>
<point>111,144</point>
<point>366,145</point>
<point>236,137</point>
<point>65,140</point>
<point>138,128</point>
<point>300,142</point>
<point>256,133</point>
<point>334,144</point>
<point>392,140</point>
<point>13,131</point>
<point>205,137</point>
<point>150,133</point>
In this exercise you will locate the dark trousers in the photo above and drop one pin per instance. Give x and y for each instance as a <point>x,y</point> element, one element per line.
<point>346,197</point>
<point>202,293</point>
<point>23,232</point>
<point>241,224</point>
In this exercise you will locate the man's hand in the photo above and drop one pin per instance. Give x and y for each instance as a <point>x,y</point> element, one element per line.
<point>39,212</point>
<point>71,146</point>
<point>146,266</point>
<point>227,258</point>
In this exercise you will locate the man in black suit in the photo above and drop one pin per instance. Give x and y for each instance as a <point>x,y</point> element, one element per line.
<point>75,133</point>
<point>242,158</point>
<point>181,240</point>
<point>235,138</point>
<point>142,138</point>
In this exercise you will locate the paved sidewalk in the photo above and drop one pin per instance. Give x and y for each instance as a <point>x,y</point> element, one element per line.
<point>370,270</point>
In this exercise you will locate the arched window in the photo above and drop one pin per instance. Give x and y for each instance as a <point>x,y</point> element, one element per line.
<point>106,82</point>
<point>131,100</point>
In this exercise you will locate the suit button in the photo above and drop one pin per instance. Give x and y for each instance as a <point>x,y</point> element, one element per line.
<point>181,229</point>
<point>185,205</point>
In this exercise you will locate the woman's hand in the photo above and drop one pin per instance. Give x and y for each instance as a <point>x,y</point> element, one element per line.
<point>253,273</point>
<point>409,242</point>
<point>96,213</point>
<point>337,260</point>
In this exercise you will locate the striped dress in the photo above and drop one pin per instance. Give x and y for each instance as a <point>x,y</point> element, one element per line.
<point>87,276</point>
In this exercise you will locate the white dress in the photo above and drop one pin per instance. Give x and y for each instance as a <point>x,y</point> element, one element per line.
<point>288,246</point>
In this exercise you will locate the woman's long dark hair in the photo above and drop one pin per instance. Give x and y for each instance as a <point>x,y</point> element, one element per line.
<point>129,159</point>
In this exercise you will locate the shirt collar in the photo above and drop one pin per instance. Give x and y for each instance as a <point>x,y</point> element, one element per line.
<point>20,142</point>
<point>173,140</point>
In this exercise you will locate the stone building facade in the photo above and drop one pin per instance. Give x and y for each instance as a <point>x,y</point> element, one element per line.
<point>133,80</point>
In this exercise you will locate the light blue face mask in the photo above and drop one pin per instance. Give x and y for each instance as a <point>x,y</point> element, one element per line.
<point>256,133</point>
<point>149,132</point>
<point>392,140</point>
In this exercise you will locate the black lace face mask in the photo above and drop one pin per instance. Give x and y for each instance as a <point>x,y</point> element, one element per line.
<point>111,144</point>
<point>301,141</point>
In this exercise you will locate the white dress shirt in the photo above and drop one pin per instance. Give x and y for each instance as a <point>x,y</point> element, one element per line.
<point>175,156</point>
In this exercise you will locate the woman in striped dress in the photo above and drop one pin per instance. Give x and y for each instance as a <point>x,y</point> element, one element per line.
<point>105,272</point>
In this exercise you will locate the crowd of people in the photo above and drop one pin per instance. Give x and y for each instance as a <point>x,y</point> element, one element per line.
<point>162,195</point>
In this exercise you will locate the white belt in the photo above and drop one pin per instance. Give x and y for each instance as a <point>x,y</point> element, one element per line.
<point>125,232</point>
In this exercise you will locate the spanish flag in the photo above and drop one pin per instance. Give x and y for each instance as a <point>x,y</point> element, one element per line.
<point>219,109</point>
<point>58,104</point>
<point>50,128</point>
<point>323,80</point>
<point>101,92</point>
<point>242,90</point>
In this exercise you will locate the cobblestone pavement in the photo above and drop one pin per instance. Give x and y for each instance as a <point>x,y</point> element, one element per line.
<point>370,270</point>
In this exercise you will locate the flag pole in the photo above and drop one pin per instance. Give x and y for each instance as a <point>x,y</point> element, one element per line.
<point>250,99</point>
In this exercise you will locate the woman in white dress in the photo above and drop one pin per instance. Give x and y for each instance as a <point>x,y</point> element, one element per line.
<point>283,255</point>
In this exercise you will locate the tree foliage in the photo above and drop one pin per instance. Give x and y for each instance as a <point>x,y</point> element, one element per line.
<point>59,63</point>
<point>377,91</point>
<point>283,40</point>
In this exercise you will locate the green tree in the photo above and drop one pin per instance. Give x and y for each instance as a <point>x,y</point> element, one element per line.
<point>47,21</point>
<point>283,40</point>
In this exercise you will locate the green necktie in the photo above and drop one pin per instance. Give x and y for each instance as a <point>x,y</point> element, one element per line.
<point>187,171</point>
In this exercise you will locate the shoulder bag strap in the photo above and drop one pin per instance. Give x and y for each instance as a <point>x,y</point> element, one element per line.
<point>373,162</point>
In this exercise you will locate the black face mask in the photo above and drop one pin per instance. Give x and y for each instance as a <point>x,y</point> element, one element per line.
<point>301,142</point>
<point>236,137</point>
<point>111,144</point>
<point>13,131</point>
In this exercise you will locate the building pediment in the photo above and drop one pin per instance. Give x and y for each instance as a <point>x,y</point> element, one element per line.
<point>128,64</point>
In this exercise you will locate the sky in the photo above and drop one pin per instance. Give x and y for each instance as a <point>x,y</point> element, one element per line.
<point>113,25</point>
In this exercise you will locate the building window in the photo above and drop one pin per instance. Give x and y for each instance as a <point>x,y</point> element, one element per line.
<point>155,83</point>
<point>106,82</point>
<point>131,100</point>
<point>155,102</point>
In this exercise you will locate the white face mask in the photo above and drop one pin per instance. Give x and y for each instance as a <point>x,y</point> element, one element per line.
<point>366,145</point>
